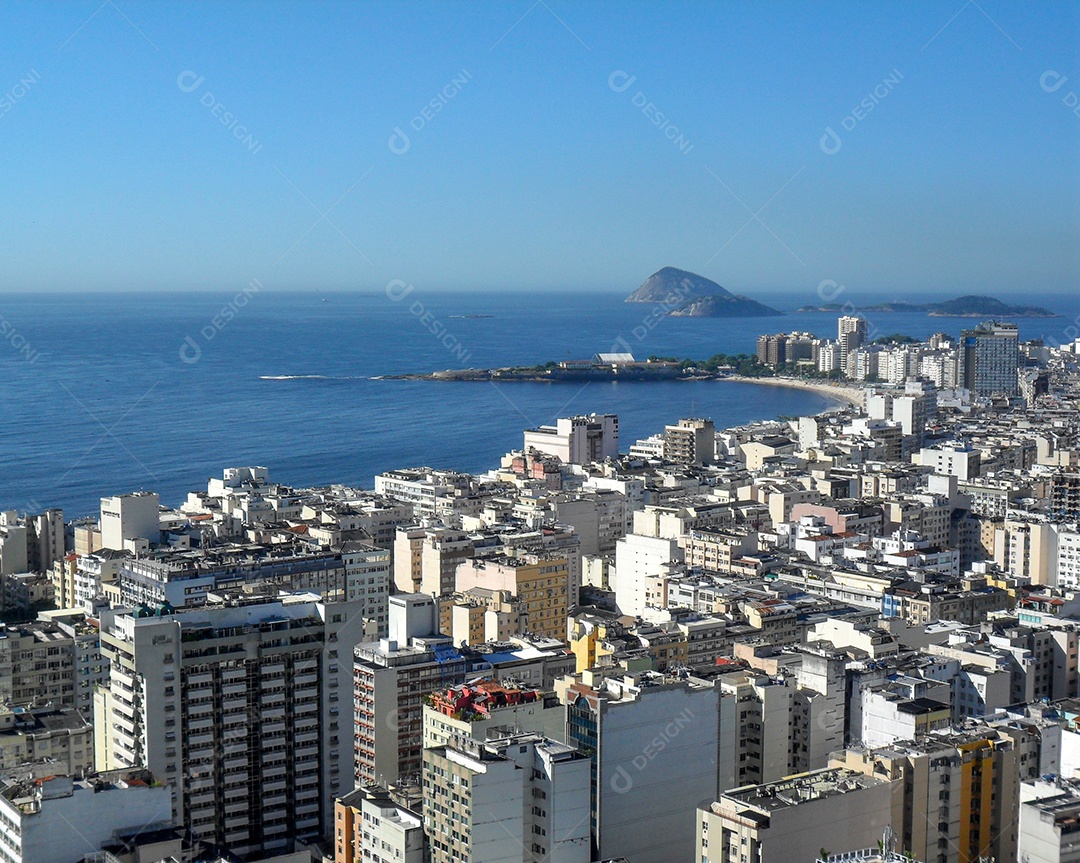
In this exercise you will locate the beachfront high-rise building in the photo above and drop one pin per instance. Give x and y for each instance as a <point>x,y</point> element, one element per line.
<point>772,350</point>
<point>579,439</point>
<point>789,348</point>
<point>991,358</point>
<point>851,333</point>
<point>242,707</point>
<point>828,357</point>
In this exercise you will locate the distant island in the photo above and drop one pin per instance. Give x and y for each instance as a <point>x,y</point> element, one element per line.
<point>686,294</point>
<point>969,306</point>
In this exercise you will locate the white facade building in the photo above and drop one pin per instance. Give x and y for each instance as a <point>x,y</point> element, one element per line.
<point>128,517</point>
<point>793,820</point>
<point>636,558</point>
<point>577,440</point>
<point>58,820</point>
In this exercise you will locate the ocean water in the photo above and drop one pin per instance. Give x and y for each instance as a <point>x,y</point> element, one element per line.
<point>108,393</point>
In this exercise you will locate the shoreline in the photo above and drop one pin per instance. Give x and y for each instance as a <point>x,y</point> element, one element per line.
<point>845,393</point>
<point>842,392</point>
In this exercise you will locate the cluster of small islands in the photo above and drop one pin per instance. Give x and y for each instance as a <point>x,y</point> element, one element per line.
<point>686,294</point>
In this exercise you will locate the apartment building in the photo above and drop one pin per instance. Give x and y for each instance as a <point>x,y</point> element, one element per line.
<point>59,819</point>
<point>184,577</point>
<point>38,664</point>
<point>1065,496</point>
<point>690,441</point>
<point>540,584</point>
<point>61,737</point>
<point>367,580</point>
<point>991,359</point>
<point>481,708</point>
<point>516,798</point>
<point>958,792</point>
<point>1049,822</point>
<point>795,819</point>
<point>242,707</point>
<point>577,440</point>
<point>127,518</point>
<point>371,827</point>
<point>391,679</point>
<point>654,742</point>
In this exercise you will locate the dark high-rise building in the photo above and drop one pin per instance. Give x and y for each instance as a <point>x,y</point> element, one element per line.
<point>991,357</point>
<point>1065,496</point>
<point>772,350</point>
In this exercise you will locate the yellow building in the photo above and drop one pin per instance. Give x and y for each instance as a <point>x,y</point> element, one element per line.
<point>539,583</point>
<point>588,643</point>
<point>960,799</point>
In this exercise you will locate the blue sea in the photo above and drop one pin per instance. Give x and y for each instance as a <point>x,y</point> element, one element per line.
<point>109,393</point>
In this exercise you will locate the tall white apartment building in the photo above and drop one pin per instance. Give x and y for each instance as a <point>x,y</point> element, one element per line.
<point>962,462</point>
<point>242,707</point>
<point>518,798</point>
<point>636,558</point>
<point>129,517</point>
<point>655,743</point>
<point>12,543</point>
<point>852,333</point>
<point>828,359</point>
<point>367,581</point>
<point>577,440</point>
<point>1068,557</point>
<point>93,572</point>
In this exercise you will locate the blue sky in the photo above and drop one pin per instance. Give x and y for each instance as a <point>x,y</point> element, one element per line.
<point>197,146</point>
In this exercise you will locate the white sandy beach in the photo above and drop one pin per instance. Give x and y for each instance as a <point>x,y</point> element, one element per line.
<point>842,391</point>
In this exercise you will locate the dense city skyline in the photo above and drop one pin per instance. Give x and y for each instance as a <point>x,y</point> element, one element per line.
<point>364,499</point>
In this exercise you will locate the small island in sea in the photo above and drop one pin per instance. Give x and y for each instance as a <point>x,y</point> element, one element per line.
<point>685,294</point>
<point>968,306</point>
<point>623,367</point>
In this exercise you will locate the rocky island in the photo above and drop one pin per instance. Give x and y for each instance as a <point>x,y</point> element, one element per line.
<point>968,306</point>
<point>685,294</point>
